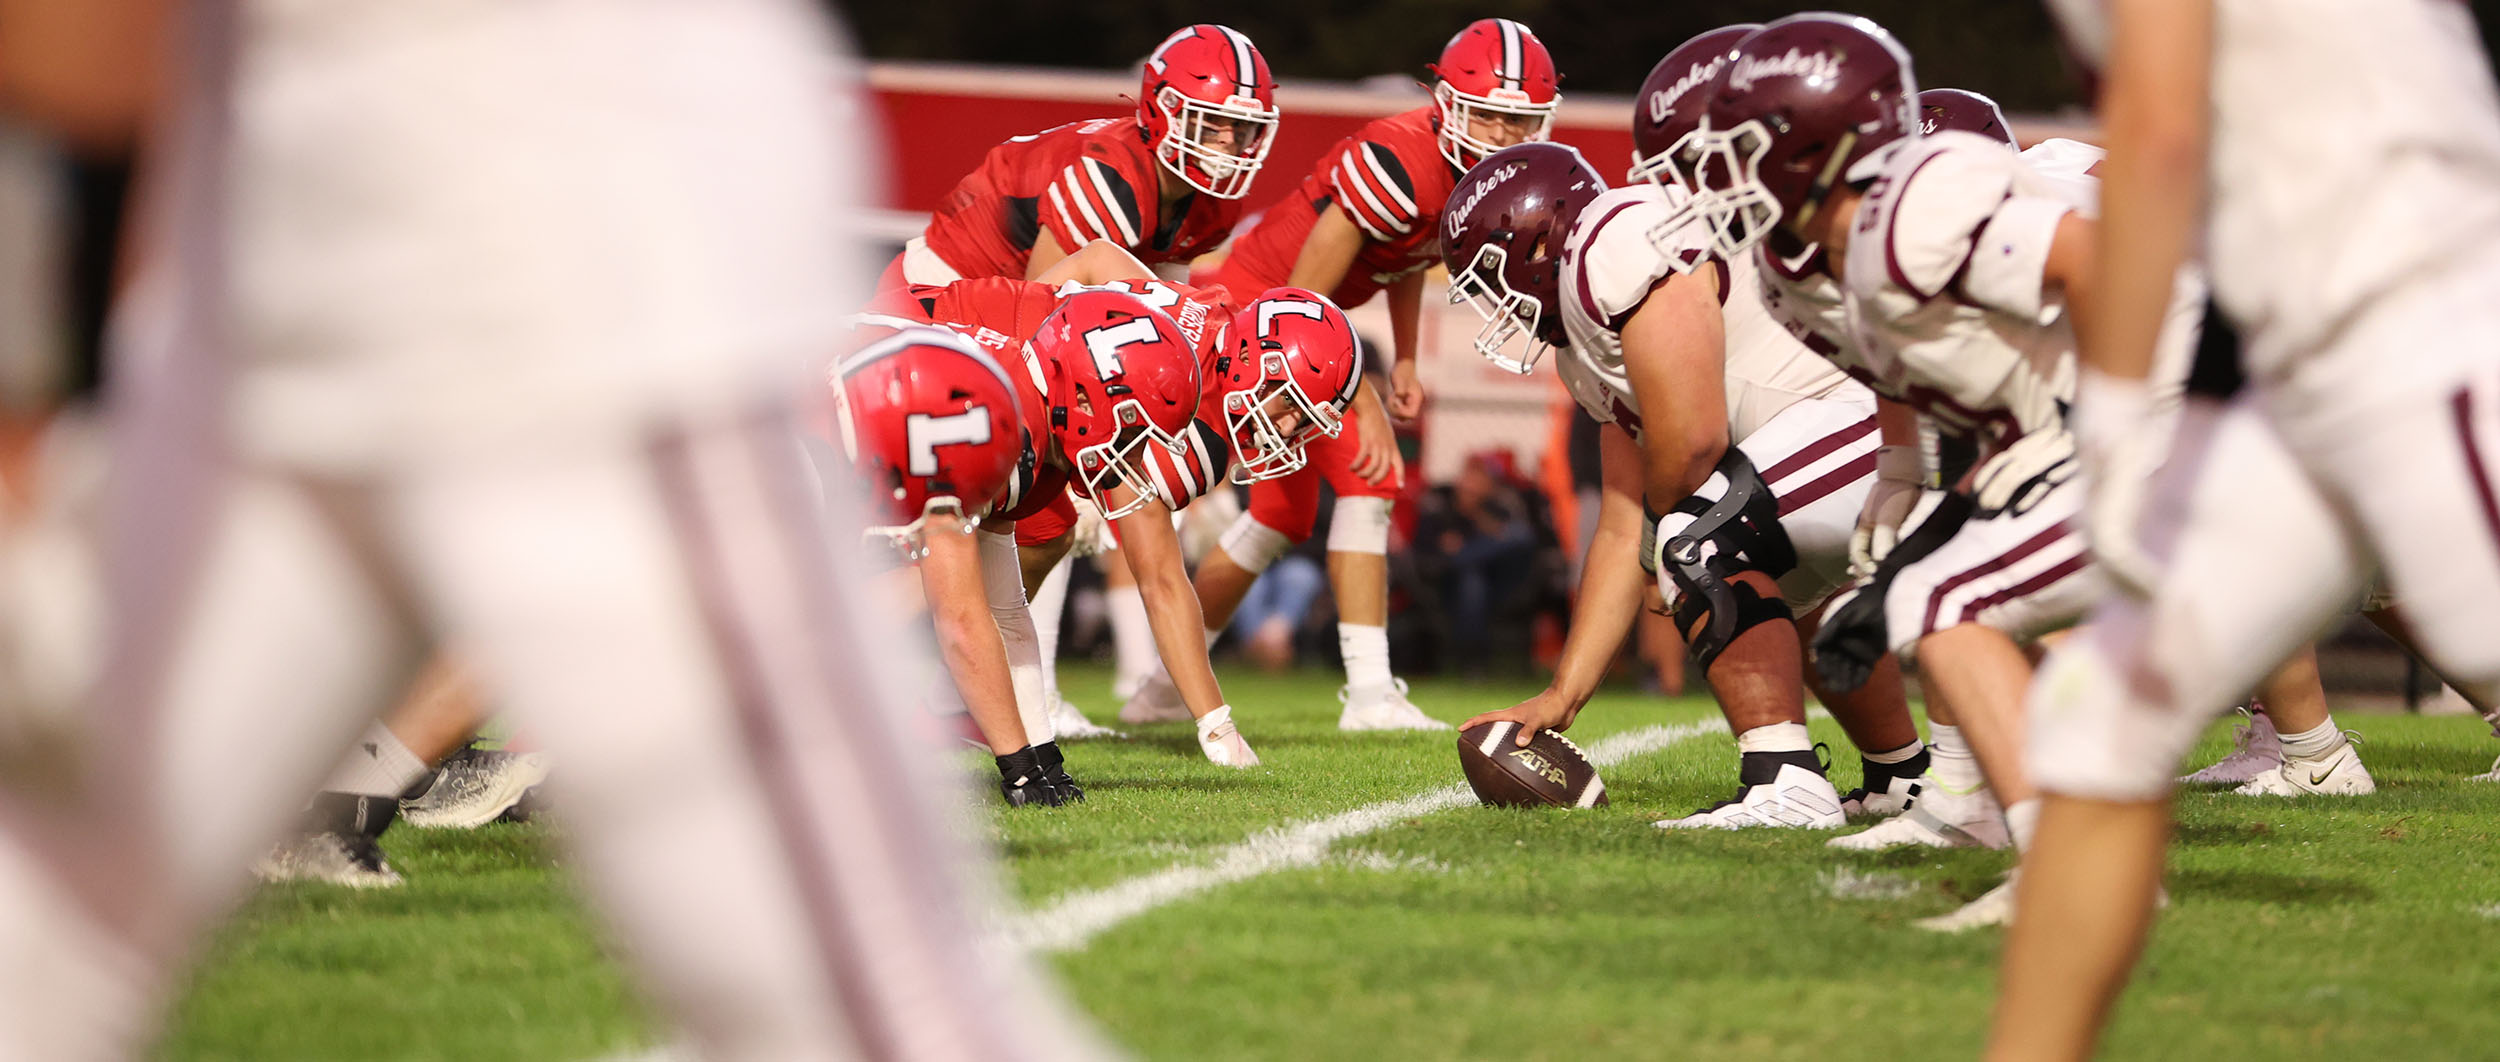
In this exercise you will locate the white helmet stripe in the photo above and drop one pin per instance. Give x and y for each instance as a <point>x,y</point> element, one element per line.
<point>1512,61</point>
<point>1246,72</point>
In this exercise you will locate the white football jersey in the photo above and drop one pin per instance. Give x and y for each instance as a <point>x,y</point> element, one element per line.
<point>1611,260</point>
<point>1947,312</point>
<point>2355,147</point>
<point>2069,163</point>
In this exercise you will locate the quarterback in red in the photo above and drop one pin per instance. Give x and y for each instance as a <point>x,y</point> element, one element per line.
<point>1165,184</point>
<point>930,433</point>
<point>1362,223</point>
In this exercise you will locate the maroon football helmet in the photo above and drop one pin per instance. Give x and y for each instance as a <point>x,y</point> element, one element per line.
<point>1970,112</point>
<point>1502,239</point>
<point>1805,99</point>
<point>1674,97</point>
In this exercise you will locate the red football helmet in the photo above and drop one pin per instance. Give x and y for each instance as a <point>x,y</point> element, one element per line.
<point>1970,112</point>
<point>1502,239</point>
<point>1122,379</point>
<point>1673,99</point>
<point>1287,379</point>
<point>1497,71</point>
<point>929,422</point>
<point>1805,99</point>
<point>1204,83</point>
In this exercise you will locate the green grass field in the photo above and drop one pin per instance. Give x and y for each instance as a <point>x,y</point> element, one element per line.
<point>2365,928</point>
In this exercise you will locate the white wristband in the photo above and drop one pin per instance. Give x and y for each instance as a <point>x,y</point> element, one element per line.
<point>2107,408</point>
<point>1901,464</point>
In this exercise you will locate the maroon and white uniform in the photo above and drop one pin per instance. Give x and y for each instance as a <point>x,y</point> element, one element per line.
<point>1946,312</point>
<point>1808,429</point>
<point>475,324</point>
<point>2353,230</point>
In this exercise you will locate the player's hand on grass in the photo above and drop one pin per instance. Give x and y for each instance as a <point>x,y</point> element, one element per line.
<point>1547,710</point>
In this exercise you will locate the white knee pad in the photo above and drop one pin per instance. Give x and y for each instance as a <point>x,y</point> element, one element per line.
<point>2102,726</point>
<point>1360,525</point>
<point>1253,545</point>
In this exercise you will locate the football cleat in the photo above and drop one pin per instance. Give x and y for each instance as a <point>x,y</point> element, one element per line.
<point>2339,773</point>
<point>339,843</point>
<point>2492,775</point>
<point>1023,781</point>
<point>1940,818</point>
<point>1068,722</point>
<point>474,787</point>
<point>1890,787</point>
<point>1794,798</point>
<point>1156,701</point>
<point>2256,749</point>
<point>1222,741</point>
<point>1387,709</point>
<point>1994,907</point>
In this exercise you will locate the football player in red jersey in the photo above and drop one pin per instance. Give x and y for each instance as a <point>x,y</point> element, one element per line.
<point>1166,184</point>
<point>930,432</point>
<point>1361,223</point>
<point>1123,456</point>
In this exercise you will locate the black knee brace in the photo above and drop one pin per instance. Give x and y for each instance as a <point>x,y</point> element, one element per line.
<point>1737,532</point>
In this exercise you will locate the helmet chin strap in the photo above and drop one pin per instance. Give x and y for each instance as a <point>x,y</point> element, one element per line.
<point>1822,186</point>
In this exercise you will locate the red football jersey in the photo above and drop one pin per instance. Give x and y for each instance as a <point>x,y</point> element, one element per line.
<point>999,314</point>
<point>1389,178</point>
<point>1083,181</point>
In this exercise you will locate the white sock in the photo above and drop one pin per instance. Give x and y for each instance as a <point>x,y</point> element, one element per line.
<point>1898,755</point>
<point>2022,819</point>
<point>1050,601</point>
<point>2316,743</point>
<point>1777,737</point>
<point>379,765</point>
<point>1366,650</point>
<point>1952,764</point>
<point>1133,636</point>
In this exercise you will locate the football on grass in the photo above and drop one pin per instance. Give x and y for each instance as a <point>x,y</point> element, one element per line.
<point>1548,771</point>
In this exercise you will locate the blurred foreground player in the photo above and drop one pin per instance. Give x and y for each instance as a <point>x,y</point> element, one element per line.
<point>365,212</point>
<point>2340,160</point>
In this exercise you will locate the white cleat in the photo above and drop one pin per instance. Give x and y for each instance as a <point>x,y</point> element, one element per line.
<point>1069,723</point>
<point>2340,773</point>
<point>1994,907</point>
<point>1894,798</point>
<point>1222,741</point>
<point>2256,749</point>
<point>474,787</point>
<point>1387,709</point>
<point>2492,775</point>
<point>354,862</point>
<point>1941,818</point>
<point>1156,701</point>
<point>1795,798</point>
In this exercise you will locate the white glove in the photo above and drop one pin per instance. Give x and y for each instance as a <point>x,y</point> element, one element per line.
<point>1900,475</point>
<point>1222,742</point>
<point>2118,451</point>
<point>2019,476</point>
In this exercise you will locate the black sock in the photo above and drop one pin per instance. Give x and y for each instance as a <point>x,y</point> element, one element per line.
<point>1759,768</point>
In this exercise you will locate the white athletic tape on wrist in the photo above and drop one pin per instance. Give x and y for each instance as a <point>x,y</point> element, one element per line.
<point>1360,525</point>
<point>1254,545</point>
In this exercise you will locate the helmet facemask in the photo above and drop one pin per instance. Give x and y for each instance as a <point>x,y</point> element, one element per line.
<point>1121,461</point>
<point>1728,188</point>
<point>1262,448</point>
<point>1189,123</point>
<point>1510,337</point>
<point>910,541</point>
<point>1459,109</point>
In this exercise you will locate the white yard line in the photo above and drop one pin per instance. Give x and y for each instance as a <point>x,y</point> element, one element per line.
<point>1072,920</point>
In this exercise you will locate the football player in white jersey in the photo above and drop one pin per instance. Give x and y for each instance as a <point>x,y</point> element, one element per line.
<point>2340,160</point>
<point>1767,452</point>
<point>480,322</point>
<point>1955,262</point>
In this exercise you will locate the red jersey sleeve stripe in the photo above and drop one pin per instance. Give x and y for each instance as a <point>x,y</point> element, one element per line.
<point>1364,204</point>
<point>1066,222</point>
<point>1392,180</point>
<point>1120,209</point>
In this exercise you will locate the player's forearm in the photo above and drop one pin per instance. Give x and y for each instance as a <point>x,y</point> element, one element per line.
<point>1406,302</point>
<point>1611,588</point>
<point>1046,255</point>
<point>86,71</point>
<point>1172,610</point>
<point>1326,254</point>
<point>1895,423</point>
<point>1678,469</point>
<point>2152,183</point>
<point>1099,262</point>
<point>976,658</point>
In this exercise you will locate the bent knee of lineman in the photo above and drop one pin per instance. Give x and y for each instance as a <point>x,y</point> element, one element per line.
<point>2105,724</point>
<point>1359,525</point>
